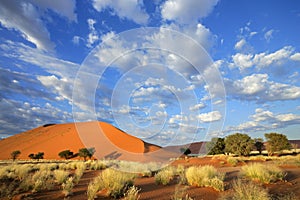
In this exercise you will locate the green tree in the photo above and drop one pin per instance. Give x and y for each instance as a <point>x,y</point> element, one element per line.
<point>276,142</point>
<point>216,146</point>
<point>240,144</point>
<point>86,152</point>
<point>15,154</point>
<point>39,155</point>
<point>66,154</point>
<point>259,144</point>
<point>31,156</point>
<point>185,151</point>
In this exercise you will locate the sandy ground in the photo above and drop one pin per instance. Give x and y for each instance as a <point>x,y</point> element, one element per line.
<point>150,190</point>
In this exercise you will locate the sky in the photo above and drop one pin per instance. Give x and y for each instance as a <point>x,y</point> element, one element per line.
<point>166,71</point>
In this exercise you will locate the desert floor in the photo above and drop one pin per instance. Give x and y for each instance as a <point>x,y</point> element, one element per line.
<point>150,190</point>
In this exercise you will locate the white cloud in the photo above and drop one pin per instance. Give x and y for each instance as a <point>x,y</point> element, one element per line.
<point>258,87</point>
<point>93,35</point>
<point>262,60</point>
<point>186,12</point>
<point>295,57</point>
<point>210,116</point>
<point>269,35</point>
<point>197,107</point>
<point>130,9</point>
<point>240,44</point>
<point>24,17</point>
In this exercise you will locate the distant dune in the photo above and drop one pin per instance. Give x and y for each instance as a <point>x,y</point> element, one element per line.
<point>109,142</point>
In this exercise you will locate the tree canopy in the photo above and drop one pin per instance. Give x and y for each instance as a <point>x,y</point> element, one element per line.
<point>15,154</point>
<point>86,152</point>
<point>66,154</point>
<point>240,144</point>
<point>276,142</point>
<point>216,146</point>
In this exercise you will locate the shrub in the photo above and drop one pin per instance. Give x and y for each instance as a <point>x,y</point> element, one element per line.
<point>276,142</point>
<point>206,176</point>
<point>263,173</point>
<point>165,175</point>
<point>132,193</point>
<point>60,175</point>
<point>68,186</point>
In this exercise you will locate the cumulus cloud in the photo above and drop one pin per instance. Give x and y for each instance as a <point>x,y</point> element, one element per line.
<point>258,87</point>
<point>265,120</point>
<point>186,12</point>
<point>262,60</point>
<point>210,116</point>
<point>131,9</point>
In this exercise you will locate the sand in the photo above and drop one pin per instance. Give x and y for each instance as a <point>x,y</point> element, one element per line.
<point>109,142</point>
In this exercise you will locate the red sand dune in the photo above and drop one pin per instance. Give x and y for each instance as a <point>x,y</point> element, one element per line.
<point>109,142</point>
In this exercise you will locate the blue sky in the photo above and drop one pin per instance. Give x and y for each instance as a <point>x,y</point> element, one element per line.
<point>169,72</point>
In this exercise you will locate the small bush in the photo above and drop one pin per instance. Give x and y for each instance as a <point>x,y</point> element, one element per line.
<point>263,173</point>
<point>165,175</point>
<point>60,175</point>
<point>132,193</point>
<point>68,186</point>
<point>206,176</point>
<point>42,180</point>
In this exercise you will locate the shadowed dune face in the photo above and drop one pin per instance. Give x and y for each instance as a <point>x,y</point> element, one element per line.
<point>109,142</point>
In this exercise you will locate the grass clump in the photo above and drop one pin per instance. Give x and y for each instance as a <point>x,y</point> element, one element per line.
<point>114,182</point>
<point>42,180</point>
<point>181,194</point>
<point>205,176</point>
<point>132,193</point>
<point>263,173</point>
<point>165,175</point>
<point>60,175</point>
<point>233,161</point>
<point>68,186</point>
<point>247,191</point>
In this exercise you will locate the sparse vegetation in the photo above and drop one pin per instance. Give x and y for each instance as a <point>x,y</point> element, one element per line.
<point>60,175</point>
<point>86,153</point>
<point>132,193</point>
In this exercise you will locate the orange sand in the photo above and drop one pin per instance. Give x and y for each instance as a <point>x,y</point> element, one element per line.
<point>109,142</point>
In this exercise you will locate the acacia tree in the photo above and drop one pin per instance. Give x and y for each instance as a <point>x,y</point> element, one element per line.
<point>216,146</point>
<point>276,142</point>
<point>259,144</point>
<point>86,152</point>
<point>15,154</point>
<point>240,144</point>
<point>66,154</point>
